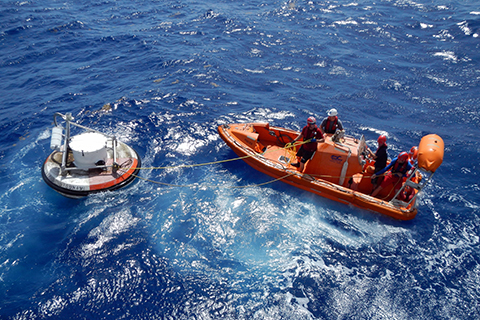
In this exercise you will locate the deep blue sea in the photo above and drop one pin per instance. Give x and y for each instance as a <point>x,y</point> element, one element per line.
<point>162,75</point>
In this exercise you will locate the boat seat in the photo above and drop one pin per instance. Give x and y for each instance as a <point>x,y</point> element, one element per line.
<point>260,148</point>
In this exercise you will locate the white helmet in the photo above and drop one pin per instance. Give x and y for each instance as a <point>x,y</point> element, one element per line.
<point>332,112</point>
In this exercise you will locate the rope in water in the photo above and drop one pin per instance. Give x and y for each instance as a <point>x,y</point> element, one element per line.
<point>287,146</point>
<point>212,186</point>
<point>217,162</point>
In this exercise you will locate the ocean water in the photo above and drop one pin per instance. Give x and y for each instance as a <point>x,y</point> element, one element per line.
<point>162,75</point>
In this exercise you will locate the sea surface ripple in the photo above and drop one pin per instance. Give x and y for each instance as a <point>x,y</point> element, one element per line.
<point>162,76</point>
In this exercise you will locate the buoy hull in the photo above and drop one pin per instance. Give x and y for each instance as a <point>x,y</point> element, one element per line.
<point>79,183</point>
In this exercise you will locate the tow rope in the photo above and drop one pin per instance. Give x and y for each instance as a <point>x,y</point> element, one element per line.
<point>289,147</point>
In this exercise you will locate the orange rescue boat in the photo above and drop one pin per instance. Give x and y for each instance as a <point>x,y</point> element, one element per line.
<point>339,169</point>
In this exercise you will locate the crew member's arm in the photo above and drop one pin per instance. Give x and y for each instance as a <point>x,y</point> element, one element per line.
<point>339,125</point>
<point>384,169</point>
<point>322,138</point>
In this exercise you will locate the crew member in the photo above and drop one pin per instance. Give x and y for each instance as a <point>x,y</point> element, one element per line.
<point>380,156</point>
<point>400,166</point>
<point>331,123</point>
<point>312,134</point>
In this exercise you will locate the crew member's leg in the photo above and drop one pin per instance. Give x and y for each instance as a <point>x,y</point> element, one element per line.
<point>388,180</point>
<point>299,158</point>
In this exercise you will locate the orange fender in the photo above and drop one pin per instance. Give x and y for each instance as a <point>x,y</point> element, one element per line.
<point>430,152</point>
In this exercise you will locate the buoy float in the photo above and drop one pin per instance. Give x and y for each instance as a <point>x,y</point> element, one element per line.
<point>88,162</point>
<point>430,152</point>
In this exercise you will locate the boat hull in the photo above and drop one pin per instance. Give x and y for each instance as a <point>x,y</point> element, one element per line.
<point>330,173</point>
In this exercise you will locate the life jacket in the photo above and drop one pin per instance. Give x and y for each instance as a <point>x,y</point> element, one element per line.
<point>309,134</point>
<point>401,168</point>
<point>331,126</point>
